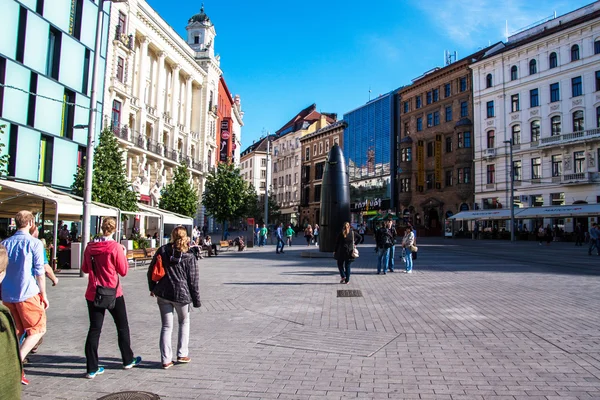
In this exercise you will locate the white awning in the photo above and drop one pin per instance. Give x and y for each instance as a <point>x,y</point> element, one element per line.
<point>168,216</point>
<point>17,196</point>
<point>574,210</point>
<point>483,214</point>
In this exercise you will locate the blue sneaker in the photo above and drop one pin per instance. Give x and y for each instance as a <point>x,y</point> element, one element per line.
<point>92,375</point>
<point>136,361</point>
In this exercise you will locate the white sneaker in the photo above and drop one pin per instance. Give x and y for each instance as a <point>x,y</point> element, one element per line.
<point>409,272</point>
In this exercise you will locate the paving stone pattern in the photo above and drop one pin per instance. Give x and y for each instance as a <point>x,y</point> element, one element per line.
<point>476,320</point>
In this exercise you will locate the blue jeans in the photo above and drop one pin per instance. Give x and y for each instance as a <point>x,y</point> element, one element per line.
<point>408,260</point>
<point>280,245</point>
<point>391,258</point>
<point>594,243</point>
<point>262,240</point>
<point>344,267</point>
<point>384,255</point>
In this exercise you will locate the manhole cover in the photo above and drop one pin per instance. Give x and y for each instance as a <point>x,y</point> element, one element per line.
<point>131,396</point>
<point>349,293</point>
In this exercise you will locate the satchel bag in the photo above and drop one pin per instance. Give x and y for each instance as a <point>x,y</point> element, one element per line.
<point>106,297</point>
<point>355,253</point>
<point>413,248</point>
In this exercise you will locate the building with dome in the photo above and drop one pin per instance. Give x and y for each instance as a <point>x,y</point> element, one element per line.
<point>162,98</point>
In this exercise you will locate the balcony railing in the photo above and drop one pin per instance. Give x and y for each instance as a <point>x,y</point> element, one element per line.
<point>581,177</point>
<point>570,137</point>
<point>489,153</point>
<point>124,38</point>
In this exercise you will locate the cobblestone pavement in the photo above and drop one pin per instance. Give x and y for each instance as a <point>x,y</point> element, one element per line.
<point>476,320</point>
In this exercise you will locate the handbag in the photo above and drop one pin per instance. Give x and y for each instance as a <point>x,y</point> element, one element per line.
<point>355,253</point>
<point>158,271</point>
<point>106,297</point>
<point>413,248</point>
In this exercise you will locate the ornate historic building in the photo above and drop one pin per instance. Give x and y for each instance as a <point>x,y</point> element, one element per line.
<point>435,157</point>
<point>287,155</point>
<point>166,99</point>
<point>313,165</point>
<point>540,93</point>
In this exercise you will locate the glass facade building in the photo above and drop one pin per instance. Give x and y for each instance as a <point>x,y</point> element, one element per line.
<point>46,57</point>
<point>369,143</point>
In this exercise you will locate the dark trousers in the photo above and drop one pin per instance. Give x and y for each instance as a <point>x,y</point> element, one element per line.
<point>344,267</point>
<point>119,314</point>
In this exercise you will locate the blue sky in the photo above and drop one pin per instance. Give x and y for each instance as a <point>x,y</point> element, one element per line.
<point>282,56</point>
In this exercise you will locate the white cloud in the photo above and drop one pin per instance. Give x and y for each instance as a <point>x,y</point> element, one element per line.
<point>477,22</point>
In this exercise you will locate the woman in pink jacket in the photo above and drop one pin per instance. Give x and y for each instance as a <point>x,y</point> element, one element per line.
<point>109,262</point>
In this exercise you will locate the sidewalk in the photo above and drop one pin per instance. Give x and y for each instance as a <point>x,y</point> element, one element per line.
<point>476,320</point>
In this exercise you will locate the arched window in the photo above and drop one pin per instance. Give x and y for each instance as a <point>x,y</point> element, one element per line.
<point>578,121</point>
<point>532,67</point>
<point>516,134</point>
<point>535,130</point>
<point>574,52</point>
<point>556,125</point>
<point>553,60</point>
<point>513,73</point>
<point>489,81</point>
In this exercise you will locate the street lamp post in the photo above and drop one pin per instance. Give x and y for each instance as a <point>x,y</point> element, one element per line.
<point>89,152</point>
<point>512,191</point>
<point>268,177</point>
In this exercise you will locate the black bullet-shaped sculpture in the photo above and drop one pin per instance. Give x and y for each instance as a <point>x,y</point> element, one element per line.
<point>335,199</point>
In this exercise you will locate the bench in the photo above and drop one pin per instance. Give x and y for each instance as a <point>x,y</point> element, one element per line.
<point>224,244</point>
<point>140,255</point>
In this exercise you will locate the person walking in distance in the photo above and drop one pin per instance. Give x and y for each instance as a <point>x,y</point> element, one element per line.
<point>289,235</point>
<point>279,235</point>
<point>262,236</point>
<point>104,260</point>
<point>594,239</point>
<point>578,234</point>
<point>24,289</point>
<point>11,367</point>
<point>541,232</point>
<point>344,246</point>
<point>408,244</point>
<point>308,234</point>
<point>175,292</point>
<point>316,232</point>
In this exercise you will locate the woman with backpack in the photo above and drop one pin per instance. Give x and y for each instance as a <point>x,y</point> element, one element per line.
<point>176,291</point>
<point>344,248</point>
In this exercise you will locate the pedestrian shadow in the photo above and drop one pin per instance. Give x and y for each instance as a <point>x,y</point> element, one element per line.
<point>275,283</point>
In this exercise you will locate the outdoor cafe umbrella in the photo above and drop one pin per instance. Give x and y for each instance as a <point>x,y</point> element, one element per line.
<point>376,217</point>
<point>391,216</point>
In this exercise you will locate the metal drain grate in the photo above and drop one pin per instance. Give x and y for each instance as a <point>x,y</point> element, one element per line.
<point>349,293</point>
<point>131,396</point>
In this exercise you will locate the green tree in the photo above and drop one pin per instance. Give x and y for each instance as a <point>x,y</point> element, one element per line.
<point>274,210</point>
<point>179,196</point>
<point>225,194</point>
<point>4,157</point>
<point>109,181</point>
<point>251,206</point>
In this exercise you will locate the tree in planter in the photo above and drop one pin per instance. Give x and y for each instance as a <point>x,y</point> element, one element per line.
<point>3,158</point>
<point>179,196</point>
<point>225,194</point>
<point>109,182</point>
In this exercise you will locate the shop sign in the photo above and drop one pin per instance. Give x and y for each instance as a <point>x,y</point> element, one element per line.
<point>368,204</point>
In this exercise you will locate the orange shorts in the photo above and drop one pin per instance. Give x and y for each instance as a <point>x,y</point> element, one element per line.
<point>29,315</point>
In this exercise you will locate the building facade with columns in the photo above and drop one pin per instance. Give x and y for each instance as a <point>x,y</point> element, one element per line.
<point>540,93</point>
<point>161,97</point>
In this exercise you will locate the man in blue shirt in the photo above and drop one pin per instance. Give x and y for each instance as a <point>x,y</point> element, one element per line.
<point>24,288</point>
<point>280,242</point>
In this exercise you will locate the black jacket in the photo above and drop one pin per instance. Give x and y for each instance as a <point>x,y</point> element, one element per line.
<point>180,283</point>
<point>345,245</point>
